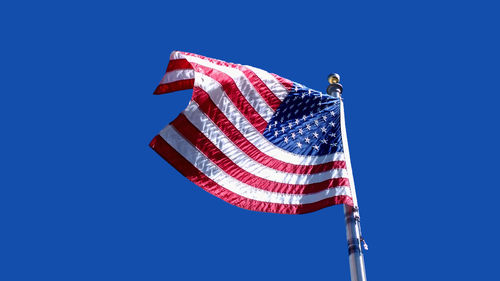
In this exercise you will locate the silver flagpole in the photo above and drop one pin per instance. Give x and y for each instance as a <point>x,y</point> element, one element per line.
<point>352,226</point>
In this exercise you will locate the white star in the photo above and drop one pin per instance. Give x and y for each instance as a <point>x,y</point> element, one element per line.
<point>285,139</point>
<point>315,135</point>
<point>308,127</point>
<point>323,129</point>
<point>293,135</point>
<point>332,124</point>
<point>309,92</point>
<point>316,147</point>
<point>301,131</point>
<point>304,118</point>
<point>275,133</point>
<point>332,135</point>
<point>275,123</point>
<point>332,113</point>
<point>311,114</point>
<point>283,129</point>
<point>333,144</point>
<point>290,125</point>
<point>324,118</point>
<point>297,121</point>
<point>323,141</point>
<point>320,95</point>
<point>316,122</point>
<point>307,140</point>
<point>303,95</point>
<point>299,145</point>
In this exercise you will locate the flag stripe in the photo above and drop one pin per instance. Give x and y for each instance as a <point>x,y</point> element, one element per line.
<point>174,86</point>
<point>279,90</point>
<point>271,99</point>
<point>275,87</point>
<point>178,64</point>
<point>285,82</point>
<point>168,153</point>
<point>254,144</point>
<point>177,75</point>
<point>253,173</point>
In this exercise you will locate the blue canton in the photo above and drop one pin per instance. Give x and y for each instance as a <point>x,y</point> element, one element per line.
<point>307,122</point>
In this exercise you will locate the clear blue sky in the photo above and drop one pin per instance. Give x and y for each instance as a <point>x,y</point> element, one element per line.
<point>83,197</point>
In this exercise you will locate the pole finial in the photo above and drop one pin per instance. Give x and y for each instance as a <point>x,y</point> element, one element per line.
<point>333,78</point>
<point>335,88</point>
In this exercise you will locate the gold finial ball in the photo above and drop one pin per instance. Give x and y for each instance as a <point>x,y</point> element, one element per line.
<point>333,78</point>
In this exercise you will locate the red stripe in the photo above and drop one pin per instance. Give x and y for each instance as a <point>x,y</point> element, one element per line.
<point>204,145</point>
<point>271,99</point>
<point>261,87</point>
<point>178,85</point>
<point>196,176</point>
<point>178,64</point>
<point>234,94</point>
<point>213,112</point>
<point>285,82</point>
<point>174,86</point>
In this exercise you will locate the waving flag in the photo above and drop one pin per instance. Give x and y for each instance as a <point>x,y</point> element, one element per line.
<point>254,139</point>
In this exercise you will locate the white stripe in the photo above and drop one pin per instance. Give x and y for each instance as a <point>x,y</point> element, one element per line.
<point>212,132</point>
<point>198,160</point>
<point>219,97</point>
<point>347,156</point>
<point>272,83</point>
<point>244,85</point>
<point>177,75</point>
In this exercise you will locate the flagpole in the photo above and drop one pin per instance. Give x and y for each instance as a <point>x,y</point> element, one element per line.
<point>352,225</point>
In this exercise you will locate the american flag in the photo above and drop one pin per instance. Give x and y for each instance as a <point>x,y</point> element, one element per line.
<point>254,139</point>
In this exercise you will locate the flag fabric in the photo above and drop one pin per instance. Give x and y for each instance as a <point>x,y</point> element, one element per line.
<point>254,139</point>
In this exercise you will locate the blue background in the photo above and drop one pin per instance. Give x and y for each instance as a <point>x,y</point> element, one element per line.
<point>83,197</point>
